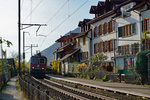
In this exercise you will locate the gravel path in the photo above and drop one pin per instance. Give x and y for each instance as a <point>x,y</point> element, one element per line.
<point>11,92</point>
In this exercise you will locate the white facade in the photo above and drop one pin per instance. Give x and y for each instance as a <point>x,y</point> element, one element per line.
<point>87,46</point>
<point>122,21</point>
<point>106,37</point>
<point>133,17</point>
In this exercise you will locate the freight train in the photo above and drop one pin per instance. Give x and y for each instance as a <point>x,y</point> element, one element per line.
<point>38,65</point>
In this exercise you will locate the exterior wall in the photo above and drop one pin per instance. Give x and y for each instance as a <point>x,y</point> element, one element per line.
<point>145,14</point>
<point>134,18</point>
<point>129,40</point>
<point>105,37</point>
<point>121,65</point>
<point>64,67</point>
<point>86,47</point>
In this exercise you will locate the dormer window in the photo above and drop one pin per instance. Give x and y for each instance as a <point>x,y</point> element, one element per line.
<point>125,9</point>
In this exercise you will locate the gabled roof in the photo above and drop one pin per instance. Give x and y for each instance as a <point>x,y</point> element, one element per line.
<point>69,54</point>
<point>82,34</point>
<point>93,10</point>
<point>102,16</point>
<point>85,21</point>
<point>100,4</point>
<point>115,10</point>
<point>73,34</point>
<point>80,23</point>
<point>62,39</point>
<point>63,48</point>
<point>65,38</point>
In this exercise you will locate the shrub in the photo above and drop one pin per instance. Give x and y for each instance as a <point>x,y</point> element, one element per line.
<point>104,79</point>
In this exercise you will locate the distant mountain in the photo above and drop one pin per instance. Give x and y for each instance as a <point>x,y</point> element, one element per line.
<point>48,52</point>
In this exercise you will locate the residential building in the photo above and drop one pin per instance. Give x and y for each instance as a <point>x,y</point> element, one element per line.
<point>104,30</point>
<point>68,52</point>
<point>131,24</point>
<point>84,40</point>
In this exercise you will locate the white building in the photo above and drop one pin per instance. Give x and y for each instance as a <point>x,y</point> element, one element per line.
<point>129,35</point>
<point>84,40</point>
<point>104,30</point>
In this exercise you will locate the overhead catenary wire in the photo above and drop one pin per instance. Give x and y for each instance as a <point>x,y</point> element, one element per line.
<point>33,10</point>
<point>64,21</point>
<point>68,16</point>
<point>57,11</point>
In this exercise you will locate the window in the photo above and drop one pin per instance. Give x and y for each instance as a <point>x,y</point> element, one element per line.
<point>84,55</point>
<point>146,25</point>
<point>95,31</point>
<point>100,47</point>
<point>100,30</point>
<point>111,45</point>
<point>84,40</point>
<point>119,49</point>
<point>111,26</point>
<point>114,25</point>
<point>95,48</point>
<point>105,46</point>
<point>123,31</point>
<point>108,45</point>
<point>119,31</point>
<point>134,48</point>
<point>127,30</point>
<point>41,61</point>
<point>124,50</point>
<point>105,28</point>
<point>34,60</point>
<point>133,28</point>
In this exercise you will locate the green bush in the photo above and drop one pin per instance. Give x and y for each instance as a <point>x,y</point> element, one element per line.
<point>142,65</point>
<point>104,79</point>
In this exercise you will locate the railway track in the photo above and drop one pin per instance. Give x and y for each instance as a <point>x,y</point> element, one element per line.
<point>64,92</point>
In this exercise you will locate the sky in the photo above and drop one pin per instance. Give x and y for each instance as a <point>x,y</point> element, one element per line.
<point>60,16</point>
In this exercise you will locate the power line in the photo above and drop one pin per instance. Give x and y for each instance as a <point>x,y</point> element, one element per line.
<point>68,16</point>
<point>33,10</point>
<point>57,11</point>
<point>64,21</point>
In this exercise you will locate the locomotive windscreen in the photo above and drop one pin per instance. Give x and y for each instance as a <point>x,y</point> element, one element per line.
<point>38,61</point>
<point>34,60</point>
<point>42,61</point>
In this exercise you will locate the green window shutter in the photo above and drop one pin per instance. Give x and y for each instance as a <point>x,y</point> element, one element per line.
<point>134,29</point>
<point>119,31</point>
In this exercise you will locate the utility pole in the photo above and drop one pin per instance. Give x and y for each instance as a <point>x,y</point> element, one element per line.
<point>19,33</point>
<point>32,45</point>
<point>24,51</point>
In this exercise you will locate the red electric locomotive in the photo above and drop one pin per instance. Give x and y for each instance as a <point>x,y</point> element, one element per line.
<point>38,65</point>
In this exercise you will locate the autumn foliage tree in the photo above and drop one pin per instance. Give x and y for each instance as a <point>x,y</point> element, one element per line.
<point>81,67</point>
<point>56,65</point>
<point>97,60</point>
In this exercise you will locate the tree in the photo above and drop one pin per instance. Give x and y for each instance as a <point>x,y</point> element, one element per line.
<point>6,41</point>
<point>97,60</point>
<point>142,64</point>
<point>56,65</point>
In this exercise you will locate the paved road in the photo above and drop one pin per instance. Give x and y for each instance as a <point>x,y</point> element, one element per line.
<point>11,92</point>
<point>128,88</point>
